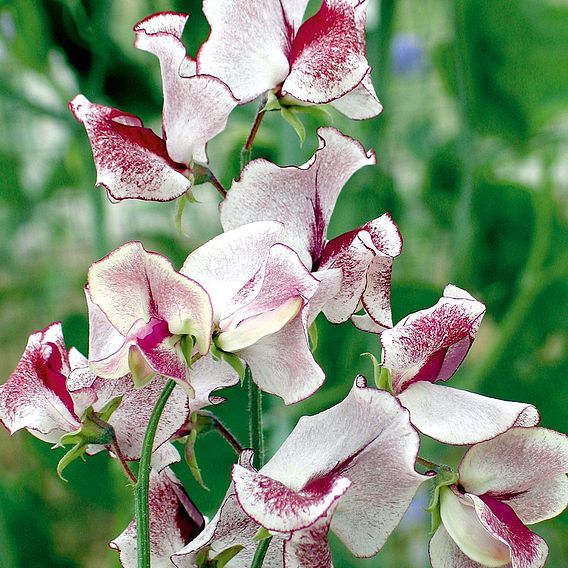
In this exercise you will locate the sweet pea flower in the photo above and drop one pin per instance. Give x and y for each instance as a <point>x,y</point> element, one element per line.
<point>355,266</point>
<point>142,314</point>
<point>349,469</point>
<point>259,46</point>
<point>515,479</point>
<point>429,346</point>
<point>131,161</point>
<point>174,521</point>
<point>260,291</point>
<point>51,390</point>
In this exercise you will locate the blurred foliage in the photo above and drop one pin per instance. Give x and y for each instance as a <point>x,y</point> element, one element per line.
<point>471,150</point>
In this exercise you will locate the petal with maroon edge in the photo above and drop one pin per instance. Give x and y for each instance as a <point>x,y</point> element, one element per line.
<point>430,345</point>
<point>226,263</point>
<point>131,161</point>
<point>457,417</point>
<point>301,198</point>
<point>36,397</point>
<point>330,280</point>
<point>277,507</point>
<point>207,376</point>
<point>524,467</point>
<point>131,284</point>
<point>360,103</point>
<point>247,47</point>
<point>174,520</point>
<point>445,553</point>
<point>195,108</point>
<point>327,56</point>
<point>373,444</point>
<point>282,364</point>
<point>527,549</point>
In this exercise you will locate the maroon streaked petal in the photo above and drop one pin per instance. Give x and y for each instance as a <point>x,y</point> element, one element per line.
<point>226,263</point>
<point>458,417</point>
<point>445,553</point>
<point>365,256</point>
<point>524,467</point>
<point>327,56</point>
<point>368,439</point>
<point>174,520</point>
<point>301,198</point>
<point>247,47</point>
<point>195,108</point>
<point>276,507</point>
<point>132,285</point>
<point>131,161</point>
<point>282,363</point>
<point>35,396</point>
<point>528,550</point>
<point>294,12</point>
<point>430,345</point>
<point>365,322</point>
<point>360,103</point>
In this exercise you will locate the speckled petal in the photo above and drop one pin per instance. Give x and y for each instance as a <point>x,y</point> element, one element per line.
<point>360,103</point>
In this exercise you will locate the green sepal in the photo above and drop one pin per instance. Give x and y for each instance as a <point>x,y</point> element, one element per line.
<point>313,337</point>
<point>191,459</point>
<point>108,409</point>
<point>77,451</point>
<point>381,375</point>
<point>289,114</point>
<point>320,112</point>
<point>445,476</point>
<point>261,534</point>
<point>202,422</point>
<point>182,201</point>
<point>187,343</point>
<point>272,102</point>
<point>140,371</point>
<point>230,358</point>
<point>202,559</point>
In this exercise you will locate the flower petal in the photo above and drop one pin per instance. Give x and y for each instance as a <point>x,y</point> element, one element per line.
<point>35,396</point>
<point>327,56</point>
<point>458,417</point>
<point>330,280</point>
<point>247,47</point>
<point>524,467</point>
<point>360,103</point>
<point>430,345</point>
<point>174,520</point>
<point>365,256</point>
<point>277,507</point>
<point>282,364</point>
<point>226,263</point>
<point>373,444</point>
<point>131,161</point>
<point>445,553</point>
<point>306,203</point>
<point>195,108</point>
<point>207,376</point>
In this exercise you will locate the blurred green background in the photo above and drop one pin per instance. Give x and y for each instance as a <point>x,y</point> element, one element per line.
<point>472,164</point>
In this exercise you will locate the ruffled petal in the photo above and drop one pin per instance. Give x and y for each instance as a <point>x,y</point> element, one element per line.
<point>373,444</point>
<point>458,417</point>
<point>301,198</point>
<point>248,45</point>
<point>525,468</point>
<point>360,103</point>
<point>36,396</point>
<point>327,56</point>
<point>330,280</point>
<point>365,256</point>
<point>225,264</point>
<point>131,161</point>
<point>174,520</point>
<point>282,363</point>
<point>430,345</point>
<point>195,108</point>
<point>207,376</point>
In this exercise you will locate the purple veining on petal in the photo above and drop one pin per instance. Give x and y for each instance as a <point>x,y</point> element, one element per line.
<point>50,371</point>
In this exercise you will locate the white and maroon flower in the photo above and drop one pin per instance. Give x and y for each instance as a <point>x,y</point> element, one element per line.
<point>515,479</point>
<point>302,199</point>
<point>262,46</point>
<point>349,468</point>
<point>131,161</point>
<point>260,291</point>
<point>51,389</point>
<point>140,311</point>
<point>428,346</point>
<point>174,521</point>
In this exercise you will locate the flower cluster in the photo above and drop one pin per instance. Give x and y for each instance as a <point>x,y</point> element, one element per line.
<point>243,304</point>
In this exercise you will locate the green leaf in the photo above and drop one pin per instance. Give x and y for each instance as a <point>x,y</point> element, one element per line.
<point>290,116</point>
<point>224,557</point>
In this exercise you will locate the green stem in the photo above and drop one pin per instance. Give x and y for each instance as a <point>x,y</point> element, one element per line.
<point>260,552</point>
<point>256,435</point>
<point>142,487</point>
<point>246,152</point>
